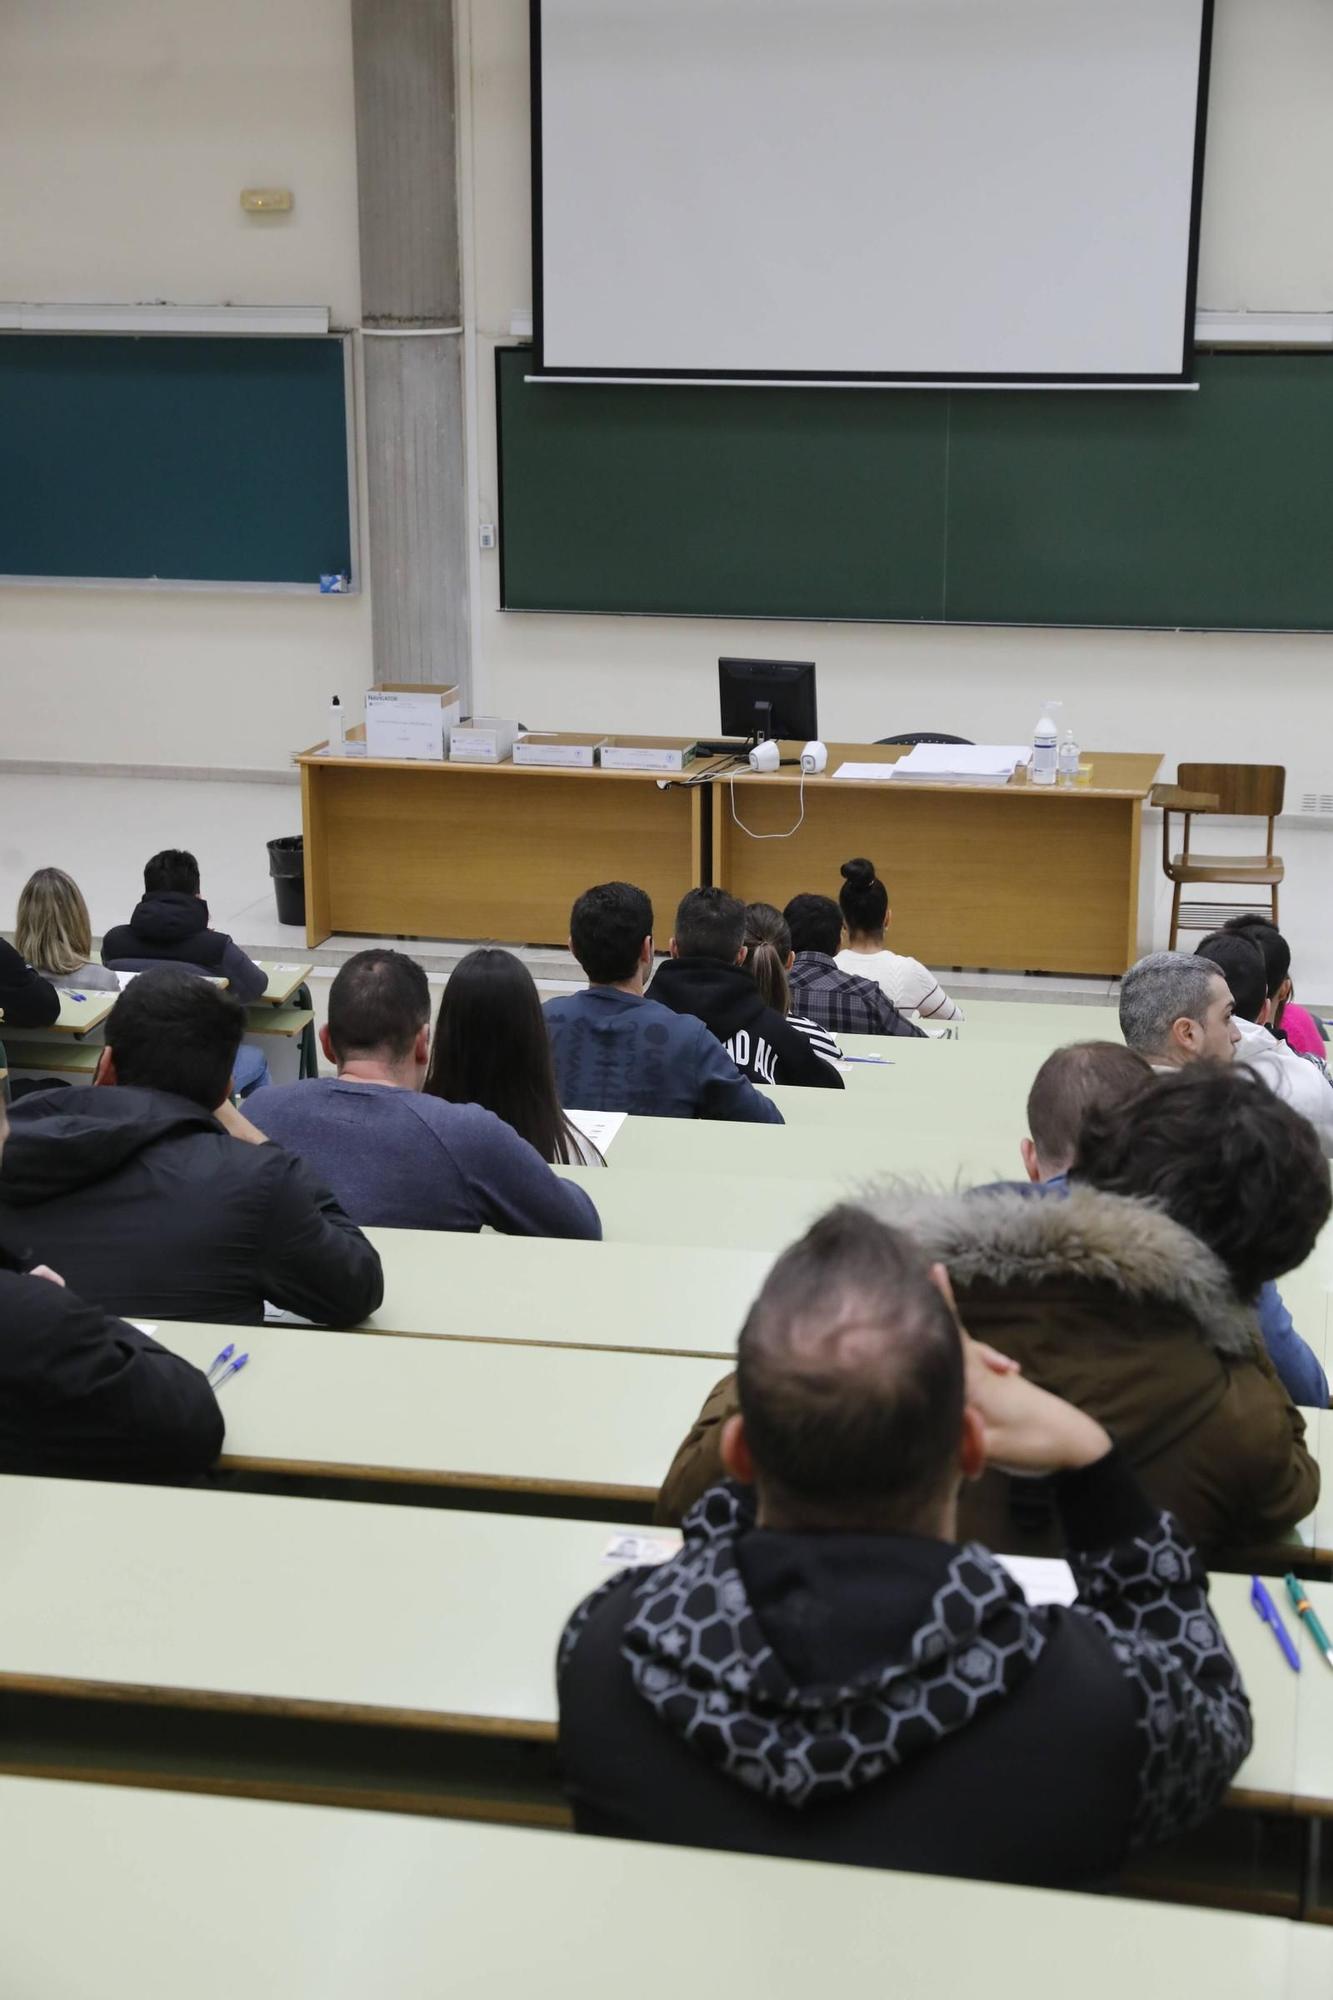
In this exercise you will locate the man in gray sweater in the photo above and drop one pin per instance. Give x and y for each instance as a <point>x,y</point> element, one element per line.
<point>393,1157</point>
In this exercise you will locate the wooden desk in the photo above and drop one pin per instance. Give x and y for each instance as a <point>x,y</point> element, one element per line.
<point>998,1024</point>
<point>485,851</point>
<point>338,1905</point>
<point>542,1292</point>
<point>672,1209</point>
<point>453,1416</point>
<point>947,1139</point>
<point>283,981</point>
<point>1025,877</point>
<point>76,1018</point>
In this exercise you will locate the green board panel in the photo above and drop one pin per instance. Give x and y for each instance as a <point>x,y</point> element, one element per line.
<point>1207,509</point>
<point>1211,509</point>
<point>805,503</point>
<point>166,457</point>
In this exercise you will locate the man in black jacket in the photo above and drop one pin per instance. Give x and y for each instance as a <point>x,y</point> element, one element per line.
<point>823,1672</point>
<point>26,999</point>
<point>81,1394</point>
<point>705,976</point>
<point>147,1198</point>
<point>170,925</point>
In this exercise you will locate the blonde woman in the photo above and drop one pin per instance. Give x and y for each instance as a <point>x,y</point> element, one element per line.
<point>54,932</point>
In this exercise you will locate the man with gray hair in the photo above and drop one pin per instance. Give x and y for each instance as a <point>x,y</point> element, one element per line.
<point>1175,1009</point>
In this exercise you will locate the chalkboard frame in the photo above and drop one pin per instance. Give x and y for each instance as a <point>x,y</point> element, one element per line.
<point>228,585</point>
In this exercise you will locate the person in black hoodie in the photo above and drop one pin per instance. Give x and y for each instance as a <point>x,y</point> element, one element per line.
<point>147,1200</point>
<point>705,976</point>
<point>170,924</point>
<point>85,1395</point>
<point>26,999</point>
<point>823,1672</point>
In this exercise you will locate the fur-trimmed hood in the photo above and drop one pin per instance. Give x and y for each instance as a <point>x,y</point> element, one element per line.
<point>1014,1239</point>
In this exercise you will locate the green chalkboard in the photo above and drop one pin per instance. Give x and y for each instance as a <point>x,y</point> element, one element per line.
<point>1205,509</point>
<point>168,457</point>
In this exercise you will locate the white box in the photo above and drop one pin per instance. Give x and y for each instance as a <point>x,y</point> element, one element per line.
<point>566,750</point>
<point>646,753</point>
<point>483,739</point>
<point>408,719</point>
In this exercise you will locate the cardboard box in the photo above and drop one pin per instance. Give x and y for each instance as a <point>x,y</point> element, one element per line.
<point>646,753</point>
<point>409,719</point>
<point>482,739</point>
<point>571,750</point>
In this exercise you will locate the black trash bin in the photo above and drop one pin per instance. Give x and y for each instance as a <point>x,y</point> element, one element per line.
<point>286,864</point>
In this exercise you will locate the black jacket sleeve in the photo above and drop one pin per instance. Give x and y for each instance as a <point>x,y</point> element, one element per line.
<point>1143,1584</point>
<point>797,1062</point>
<point>316,1262</point>
<point>26,999</point>
<point>246,979</point>
<point>86,1394</point>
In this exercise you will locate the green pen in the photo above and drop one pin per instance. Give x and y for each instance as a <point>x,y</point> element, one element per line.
<point>1305,1612</point>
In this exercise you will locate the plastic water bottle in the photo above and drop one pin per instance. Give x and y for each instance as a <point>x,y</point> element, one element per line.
<point>1069,759</point>
<point>1045,745</point>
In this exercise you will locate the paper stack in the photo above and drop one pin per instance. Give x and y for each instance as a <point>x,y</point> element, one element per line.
<point>960,763</point>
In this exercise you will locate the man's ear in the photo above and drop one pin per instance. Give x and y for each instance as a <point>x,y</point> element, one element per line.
<point>673,949</point>
<point>1265,1014</point>
<point>1031,1166</point>
<point>734,1447</point>
<point>742,954</point>
<point>106,1068</point>
<point>1184,1033</point>
<point>646,950</point>
<point>327,1045</point>
<point>971,1445</point>
<point>421,1050</point>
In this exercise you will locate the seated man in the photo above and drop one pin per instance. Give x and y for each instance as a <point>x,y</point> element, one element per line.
<point>704,976</point>
<point>1176,1009</point>
<point>1301,1081</point>
<point>821,990</point>
<point>170,924</point>
<point>82,1395</point>
<point>142,1197</point>
<point>824,1672</point>
<point>1136,1309</point>
<point>615,1050</point>
<point>26,999</point>
<point>1095,1076</point>
<point>397,1159</point>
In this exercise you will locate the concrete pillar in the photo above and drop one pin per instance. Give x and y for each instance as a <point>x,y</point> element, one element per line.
<point>407,181</point>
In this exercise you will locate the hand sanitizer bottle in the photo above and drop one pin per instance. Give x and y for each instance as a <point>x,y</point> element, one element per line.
<point>337,740</point>
<point>1045,744</point>
<point>1069,759</point>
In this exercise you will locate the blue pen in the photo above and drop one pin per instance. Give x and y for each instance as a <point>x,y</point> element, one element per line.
<point>1271,1616</point>
<point>235,1367</point>
<point>220,1360</point>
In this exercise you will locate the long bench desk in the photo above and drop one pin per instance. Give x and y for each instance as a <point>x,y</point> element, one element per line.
<point>672,1209</point>
<point>538,1291</point>
<point>471,1422</point>
<point>300,1648</point>
<point>307,1901</point>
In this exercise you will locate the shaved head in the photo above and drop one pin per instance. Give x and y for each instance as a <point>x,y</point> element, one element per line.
<point>850,1379</point>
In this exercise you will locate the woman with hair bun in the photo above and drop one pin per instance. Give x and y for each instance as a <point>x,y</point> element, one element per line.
<point>865,908</point>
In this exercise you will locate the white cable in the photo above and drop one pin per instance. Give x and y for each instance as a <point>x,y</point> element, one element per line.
<point>800,821</point>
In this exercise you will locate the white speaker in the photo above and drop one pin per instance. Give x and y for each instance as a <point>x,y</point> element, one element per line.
<point>765,756</point>
<point>814,758</point>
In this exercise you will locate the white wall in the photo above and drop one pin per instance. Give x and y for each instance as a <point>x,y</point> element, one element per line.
<point>129,131</point>
<point>126,135</point>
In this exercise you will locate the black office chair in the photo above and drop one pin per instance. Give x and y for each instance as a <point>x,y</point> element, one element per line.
<point>912,736</point>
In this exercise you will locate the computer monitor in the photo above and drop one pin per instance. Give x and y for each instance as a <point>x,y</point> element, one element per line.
<point>762,698</point>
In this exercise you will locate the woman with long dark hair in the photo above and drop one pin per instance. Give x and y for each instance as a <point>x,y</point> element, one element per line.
<point>768,960</point>
<point>865,911</point>
<point>491,1048</point>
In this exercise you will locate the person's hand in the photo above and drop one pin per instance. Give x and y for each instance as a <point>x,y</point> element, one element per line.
<point>1027,1430</point>
<point>45,1271</point>
<point>231,1120</point>
<point>988,1357</point>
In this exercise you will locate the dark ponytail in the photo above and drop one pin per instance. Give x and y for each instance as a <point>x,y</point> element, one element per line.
<point>768,942</point>
<point>863,899</point>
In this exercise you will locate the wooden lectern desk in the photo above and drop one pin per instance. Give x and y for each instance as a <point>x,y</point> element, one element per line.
<point>1014,877</point>
<point>1019,877</point>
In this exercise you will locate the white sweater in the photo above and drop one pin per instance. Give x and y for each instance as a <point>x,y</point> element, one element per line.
<point>1300,1081</point>
<point>912,989</point>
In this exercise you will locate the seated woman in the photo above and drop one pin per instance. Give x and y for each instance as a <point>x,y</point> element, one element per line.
<point>864,902</point>
<point>54,933</point>
<point>768,959</point>
<point>491,1048</point>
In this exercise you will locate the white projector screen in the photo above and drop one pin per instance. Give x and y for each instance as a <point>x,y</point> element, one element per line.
<point>931,190</point>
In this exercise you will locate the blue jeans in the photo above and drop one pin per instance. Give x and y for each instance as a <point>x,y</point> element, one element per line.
<point>250,1070</point>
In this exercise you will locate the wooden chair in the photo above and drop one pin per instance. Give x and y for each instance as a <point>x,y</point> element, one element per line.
<point>1241,791</point>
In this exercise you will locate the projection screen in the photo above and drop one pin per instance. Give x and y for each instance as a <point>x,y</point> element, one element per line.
<point>937,190</point>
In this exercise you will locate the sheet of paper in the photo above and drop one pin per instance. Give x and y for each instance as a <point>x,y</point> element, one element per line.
<point>629,1551</point>
<point>1043,1579</point>
<point>599,1126</point>
<point>277,1316</point>
<point>865,771</point>
<point>963,760</point>
<point>145,1326</point>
